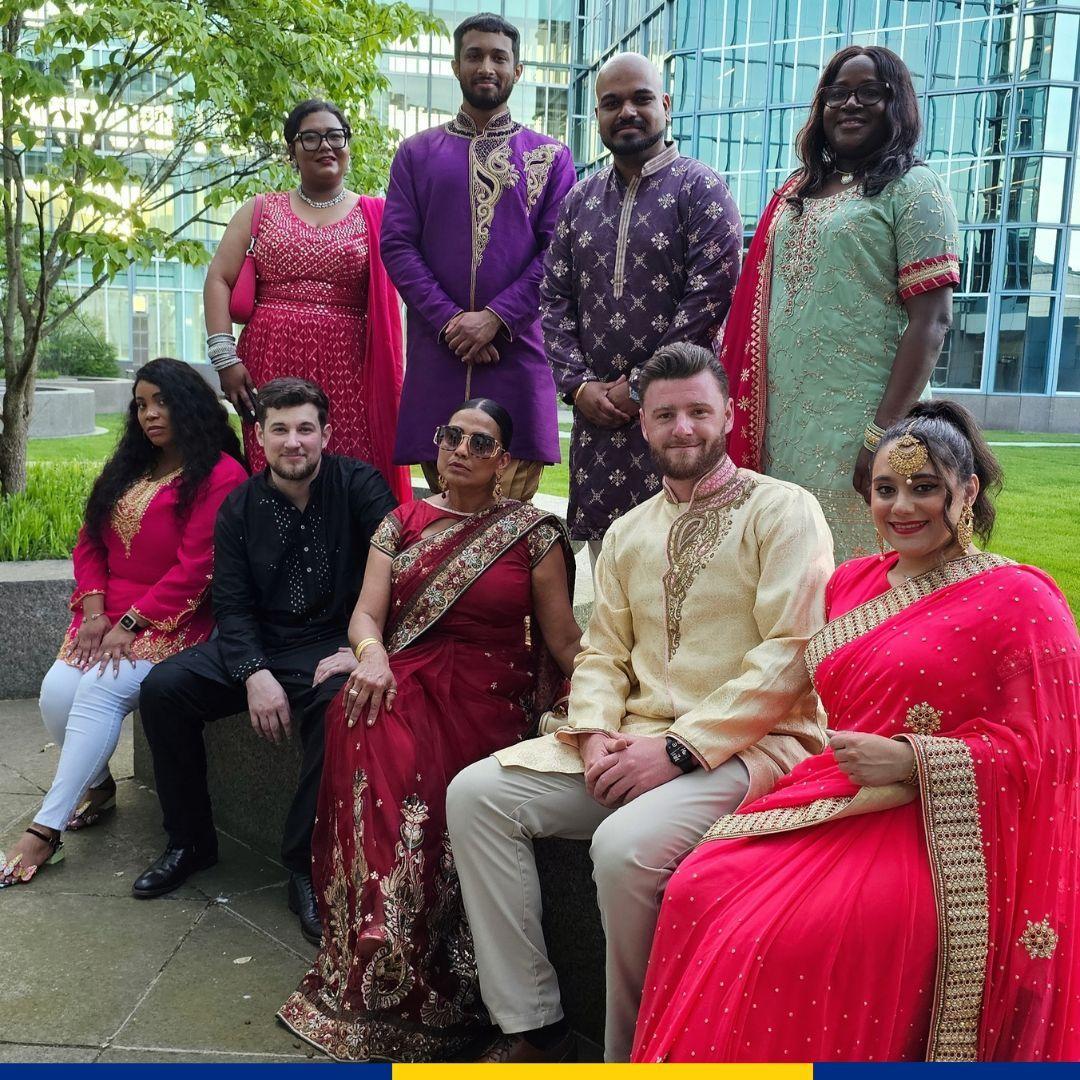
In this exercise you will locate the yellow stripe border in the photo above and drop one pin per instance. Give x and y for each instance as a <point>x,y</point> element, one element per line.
<point>606,1072</point>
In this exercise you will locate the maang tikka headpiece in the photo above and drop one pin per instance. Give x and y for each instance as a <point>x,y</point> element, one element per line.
<point>908,455</point>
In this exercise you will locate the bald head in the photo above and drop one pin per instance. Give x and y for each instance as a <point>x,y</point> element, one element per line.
<point>632,110</point>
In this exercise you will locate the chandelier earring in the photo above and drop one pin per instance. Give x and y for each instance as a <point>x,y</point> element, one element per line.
<point>442,482</point>
<point>498,491</point>
<point>965,527</point>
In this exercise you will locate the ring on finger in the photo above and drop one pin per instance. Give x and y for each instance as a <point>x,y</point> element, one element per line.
<point>354,693</point>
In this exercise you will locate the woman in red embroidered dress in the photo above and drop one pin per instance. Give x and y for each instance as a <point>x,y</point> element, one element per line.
<point>465,634</point>
<point>325,308</point>
<point>846,293</point>
<point>911,893</point>
<point>142,575</point>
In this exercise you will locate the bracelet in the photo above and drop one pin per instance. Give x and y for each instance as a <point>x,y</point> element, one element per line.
<point>872,436</point>
<point>359,650</point>
<point>221,349</point>
<point>96,615</point>
<point>581,386</point>
<point>912,777</point>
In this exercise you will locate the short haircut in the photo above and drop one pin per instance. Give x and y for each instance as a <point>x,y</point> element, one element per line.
<point>487,23</point>
<point>289,392</point>
<point>681,360</point>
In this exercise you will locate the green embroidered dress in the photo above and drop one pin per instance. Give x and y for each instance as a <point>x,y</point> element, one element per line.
<point>841,271</point>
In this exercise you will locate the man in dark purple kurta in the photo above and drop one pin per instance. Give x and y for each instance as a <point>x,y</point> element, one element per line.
<point>470,210</point>
<point>646,252</point>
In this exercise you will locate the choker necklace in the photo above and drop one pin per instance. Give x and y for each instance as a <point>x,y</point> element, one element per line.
<point>315,204</point>
<point>845,177</point>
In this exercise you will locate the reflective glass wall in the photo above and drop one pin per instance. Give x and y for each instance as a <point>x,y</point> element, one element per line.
<point>998,84</point>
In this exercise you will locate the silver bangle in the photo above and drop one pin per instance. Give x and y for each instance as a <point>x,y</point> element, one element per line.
<point>225,362</point>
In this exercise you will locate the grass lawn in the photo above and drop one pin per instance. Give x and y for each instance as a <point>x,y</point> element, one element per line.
<point>1038,512</point>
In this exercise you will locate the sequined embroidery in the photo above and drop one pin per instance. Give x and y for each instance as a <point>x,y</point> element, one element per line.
<point>1040,939</point>
<point>538,162</point>
<point>782,819</point>
<point>131,507</point>
<point>923,719</point>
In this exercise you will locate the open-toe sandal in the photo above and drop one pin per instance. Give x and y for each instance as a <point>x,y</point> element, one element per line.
<point>91,811</point>
<point>18,872</point>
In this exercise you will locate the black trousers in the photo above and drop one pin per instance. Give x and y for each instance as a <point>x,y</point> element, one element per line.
<point>182,693</point>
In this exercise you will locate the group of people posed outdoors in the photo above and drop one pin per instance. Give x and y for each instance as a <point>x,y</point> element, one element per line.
<point>830,784</point>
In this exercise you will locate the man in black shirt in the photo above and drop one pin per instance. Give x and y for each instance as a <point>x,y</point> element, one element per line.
<point>291,545</point>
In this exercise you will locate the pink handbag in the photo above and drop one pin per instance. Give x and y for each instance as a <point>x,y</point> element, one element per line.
<point>242,297</point>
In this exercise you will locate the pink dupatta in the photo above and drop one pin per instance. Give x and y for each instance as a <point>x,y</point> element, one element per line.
<point>384,365</point>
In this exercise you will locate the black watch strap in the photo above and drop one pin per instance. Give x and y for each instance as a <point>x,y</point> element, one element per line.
<point>680,756</point>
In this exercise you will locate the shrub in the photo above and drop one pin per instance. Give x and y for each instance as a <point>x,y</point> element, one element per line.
<point>43,521</point>
<point>78,347</point>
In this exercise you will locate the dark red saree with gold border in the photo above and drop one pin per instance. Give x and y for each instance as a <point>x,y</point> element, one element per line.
<point>395,977</point>
<point>828,922</point>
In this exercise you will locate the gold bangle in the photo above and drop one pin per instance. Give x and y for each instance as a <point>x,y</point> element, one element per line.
<point>912,777</point>
<point>359,650</point>
<point>581,386</point>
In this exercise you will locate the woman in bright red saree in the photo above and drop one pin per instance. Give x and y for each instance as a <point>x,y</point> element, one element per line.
<point>465,634</point>
<point>910,893</point>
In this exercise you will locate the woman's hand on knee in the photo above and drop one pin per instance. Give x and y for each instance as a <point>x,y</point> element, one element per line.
<point>370,683</point>
<point>88,639</point>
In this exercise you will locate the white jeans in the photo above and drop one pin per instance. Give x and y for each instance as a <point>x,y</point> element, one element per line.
<point>84,713</point>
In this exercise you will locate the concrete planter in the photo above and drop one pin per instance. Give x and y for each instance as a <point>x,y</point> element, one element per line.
<point>34,598</point>
<point>110,395</point>
<point>60,411</point>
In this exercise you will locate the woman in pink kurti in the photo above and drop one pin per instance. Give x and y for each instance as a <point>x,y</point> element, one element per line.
<point>142,562</point>
<point>325,309</point>
<point>911,893</point>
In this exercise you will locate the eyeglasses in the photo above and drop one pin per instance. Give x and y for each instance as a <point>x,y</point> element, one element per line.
<point>448,437</point>
<point>335,138</point>
<point>867,93</point>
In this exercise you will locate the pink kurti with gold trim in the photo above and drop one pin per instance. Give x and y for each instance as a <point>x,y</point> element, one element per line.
<point>149,562</point>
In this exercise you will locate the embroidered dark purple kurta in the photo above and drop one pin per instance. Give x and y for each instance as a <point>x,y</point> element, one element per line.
<point>632,267</point>
<point>468,218</point>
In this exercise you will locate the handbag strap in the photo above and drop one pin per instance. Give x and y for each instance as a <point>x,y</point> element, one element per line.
<point>256,217</point>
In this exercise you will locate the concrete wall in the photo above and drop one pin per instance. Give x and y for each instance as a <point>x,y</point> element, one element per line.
<point>34,601</point>
<point>110,395</point>
<point>1020,412</point>
<point>60,411</point>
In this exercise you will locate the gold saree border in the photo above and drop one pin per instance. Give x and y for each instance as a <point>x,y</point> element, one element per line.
<point>868,616</point>
<point>954,841</point>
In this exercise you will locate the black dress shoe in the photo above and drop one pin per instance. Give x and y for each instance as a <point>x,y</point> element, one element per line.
<point>170,870</point>
<point>302,902</point>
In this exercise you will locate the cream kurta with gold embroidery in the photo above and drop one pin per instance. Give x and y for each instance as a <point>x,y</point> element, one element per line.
<point>701,619</point>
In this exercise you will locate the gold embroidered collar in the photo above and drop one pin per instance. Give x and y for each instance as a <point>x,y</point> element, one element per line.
<point>708,485</point>
<point>501,125</point>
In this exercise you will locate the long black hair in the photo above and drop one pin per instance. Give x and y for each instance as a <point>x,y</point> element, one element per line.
<point>497,413</point>
<point>894,157</point>
<point>957,450</point>
<point>201,430</point>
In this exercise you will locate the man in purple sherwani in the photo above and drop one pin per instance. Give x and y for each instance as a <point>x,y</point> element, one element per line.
<point>646,252</point>
<point>470,210</point>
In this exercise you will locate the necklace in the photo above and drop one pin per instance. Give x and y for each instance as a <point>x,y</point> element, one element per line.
<point>316,204</point>
<point>462,513</point>
<point>846,177</point>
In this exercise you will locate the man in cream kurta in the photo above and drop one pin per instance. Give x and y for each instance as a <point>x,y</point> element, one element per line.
<point>705,597</point>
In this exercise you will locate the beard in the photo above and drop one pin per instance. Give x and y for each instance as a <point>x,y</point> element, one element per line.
<point>293,469</point>
<point>634,146</point>
<point>682,466</point>
<point>488,98</point>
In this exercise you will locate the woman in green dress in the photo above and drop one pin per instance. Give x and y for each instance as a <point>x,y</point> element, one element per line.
<point>846,295</point>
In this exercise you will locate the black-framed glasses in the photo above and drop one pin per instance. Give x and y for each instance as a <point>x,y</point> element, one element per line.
<point>448,437</point>
<point>867,93</point>
<point>336,139</point>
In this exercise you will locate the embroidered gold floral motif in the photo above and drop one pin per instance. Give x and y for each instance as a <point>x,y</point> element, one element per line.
<point>131,507</point>
<point>541,540</point>
<point>866,617</point>
<point>1039,939</point>
<point>692,542</point>
<point>387,537</point>
<point>923,719</point>
<point>538,162</point>
<point>954,840</point>
<point>782,819</point>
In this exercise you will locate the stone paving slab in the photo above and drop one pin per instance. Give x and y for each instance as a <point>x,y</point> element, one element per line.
<point>23,1053</point>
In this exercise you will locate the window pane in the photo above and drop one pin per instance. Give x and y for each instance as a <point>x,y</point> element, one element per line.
<point>683,84</point>
<point>1037,189</point>
<point>1024,326</point>
<point>1042,118</point>
<point>1031,259</point>
<point>961,362</point>
<point>1069,364</point>
<point>1049,48</point>
<point>687,13</point>
<point>1072,265</point>
<point>976,260</point>
<point>976,187</point>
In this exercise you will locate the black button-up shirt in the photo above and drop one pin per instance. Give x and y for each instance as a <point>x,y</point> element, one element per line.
<point>285,577</point>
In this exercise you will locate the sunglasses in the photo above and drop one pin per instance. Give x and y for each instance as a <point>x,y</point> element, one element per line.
<point>448,437</point>
<point>867,93</point>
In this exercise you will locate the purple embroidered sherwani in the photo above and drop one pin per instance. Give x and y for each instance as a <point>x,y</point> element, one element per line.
<point>467,220</point>
<point>631,268</point>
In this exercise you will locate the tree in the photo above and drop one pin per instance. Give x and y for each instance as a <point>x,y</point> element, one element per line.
<point>111,111</point>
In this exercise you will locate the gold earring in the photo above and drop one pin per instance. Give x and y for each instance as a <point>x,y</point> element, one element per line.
<point>442,482</point>
<point>880,543</point>
<point>965,527</point>
<point>498,487</point>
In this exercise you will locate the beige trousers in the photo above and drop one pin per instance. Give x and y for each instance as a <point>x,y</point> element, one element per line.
<point>520,479</point>
<point>494,813</point>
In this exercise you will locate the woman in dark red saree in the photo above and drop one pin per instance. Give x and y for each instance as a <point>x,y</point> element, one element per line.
<point>464,634</point>
<point>912,892</point>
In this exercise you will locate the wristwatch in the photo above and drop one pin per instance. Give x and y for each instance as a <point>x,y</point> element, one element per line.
<point>680,756</point>
<point>633,387</point>
<point>128,622</point>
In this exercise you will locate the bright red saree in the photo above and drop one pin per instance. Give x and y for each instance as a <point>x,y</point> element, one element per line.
<point>395,979</point>
<point>827,922</point>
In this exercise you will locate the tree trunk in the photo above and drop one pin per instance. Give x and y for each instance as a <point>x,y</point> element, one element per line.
<point>18,405</point>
